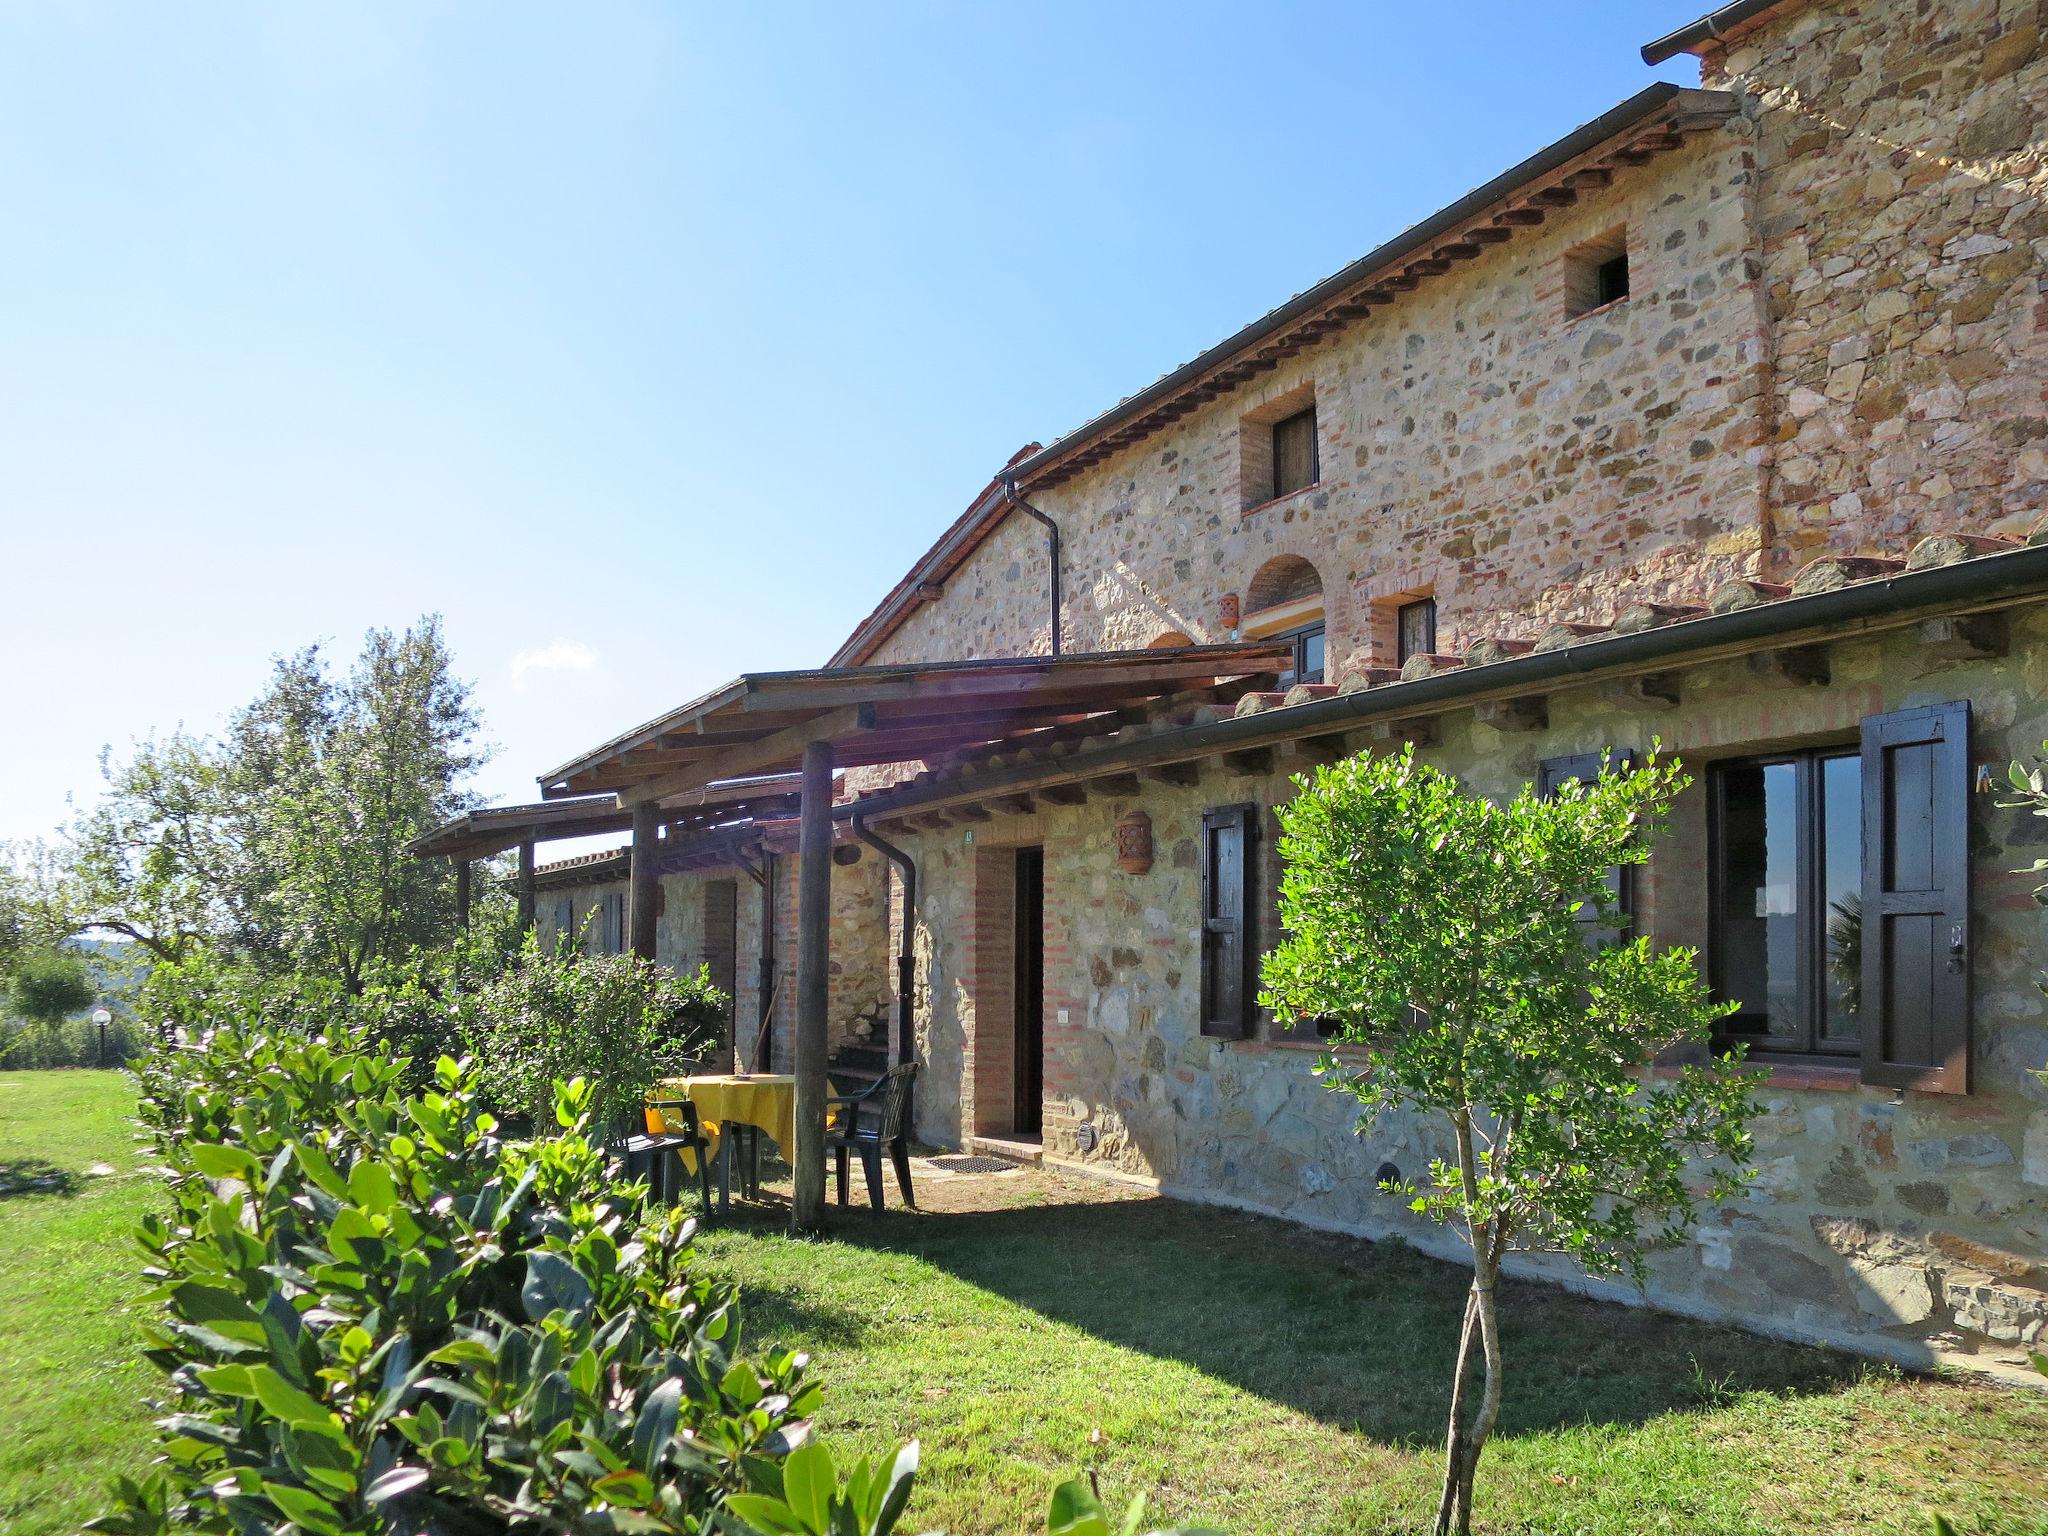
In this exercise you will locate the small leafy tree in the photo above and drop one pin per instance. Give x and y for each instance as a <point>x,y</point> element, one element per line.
<point>1461,944</point>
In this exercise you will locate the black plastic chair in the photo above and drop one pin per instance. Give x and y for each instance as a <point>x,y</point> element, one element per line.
<point>660,1150</point>
<point>868,1123</point>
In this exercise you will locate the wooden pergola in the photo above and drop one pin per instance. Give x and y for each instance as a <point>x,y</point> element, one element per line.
<point>817,722</point>
<point>495,829</point>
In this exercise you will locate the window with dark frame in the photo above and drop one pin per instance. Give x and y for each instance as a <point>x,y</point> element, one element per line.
<point>1414,630</point>
<point>1310,644</point>
<point>1228,992</point>
<point>1839,900</point>
<point>1787,890</point>
<point>1551,776</point>
<point>1295,465</point>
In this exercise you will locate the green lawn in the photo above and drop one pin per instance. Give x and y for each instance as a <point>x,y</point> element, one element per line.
<point>1266,1379</point>
<point>71,1386</point>
<point>1240,1371</point>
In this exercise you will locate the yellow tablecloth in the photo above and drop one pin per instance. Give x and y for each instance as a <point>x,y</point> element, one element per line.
<point>760,1099</point>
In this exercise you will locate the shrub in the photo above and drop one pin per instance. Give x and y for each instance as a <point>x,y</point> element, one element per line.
<point>615,1020</point>
<point>376,1315</point>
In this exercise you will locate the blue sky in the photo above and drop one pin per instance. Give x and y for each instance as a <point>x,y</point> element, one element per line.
<point>646,343</point>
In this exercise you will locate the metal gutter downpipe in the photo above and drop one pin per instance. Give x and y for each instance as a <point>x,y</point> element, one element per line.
<point>1052,546</point>
<point>905,963</point>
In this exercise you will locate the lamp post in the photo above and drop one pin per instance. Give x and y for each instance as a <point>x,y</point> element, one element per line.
<point>102,1018</point>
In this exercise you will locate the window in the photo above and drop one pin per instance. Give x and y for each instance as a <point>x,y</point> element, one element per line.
<point>1227,990</point>
<point>1308,656</point>
<point>1551,776</point>
<point>1788,875</point>
<point>1839,900</point>
<point>565,919</point>
<point>611,939</point>
<point>1294,453</point>
<point>1596,273</point>
<point>1414,630</point>
<point>1610,279</point>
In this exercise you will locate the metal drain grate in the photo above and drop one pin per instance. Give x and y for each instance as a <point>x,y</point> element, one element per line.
<point>974,1164</point>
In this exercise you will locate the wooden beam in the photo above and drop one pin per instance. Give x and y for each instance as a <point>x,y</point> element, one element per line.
<point>1312,751</point>
<point>641,886</point>
<point>1798,666</point>
<point>1114,785</point>
<point>1659,690</point>
<point>1965,637</point>
<point>1526,714</point>
<point>1420,731</point>
<point>743,761</point>
<point>813,984</point>
<point>462,881</point>
<point>526,887</point>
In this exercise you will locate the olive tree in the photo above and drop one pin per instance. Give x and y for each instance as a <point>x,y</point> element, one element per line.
<point>1474,952</point>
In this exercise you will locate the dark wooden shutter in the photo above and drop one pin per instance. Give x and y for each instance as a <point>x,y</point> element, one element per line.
<point>565,919</point>
<point>1227,987</point>
<point>1916,899</point>
<point>1556,772</point>
<point>613,940</point>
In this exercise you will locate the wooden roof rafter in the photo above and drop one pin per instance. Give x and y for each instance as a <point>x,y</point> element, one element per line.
<point>759,723</point>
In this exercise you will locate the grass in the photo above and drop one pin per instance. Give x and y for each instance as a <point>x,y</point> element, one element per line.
<point>72,1388</point>
<point>1239,1371</point>
<point>1260,1378</point>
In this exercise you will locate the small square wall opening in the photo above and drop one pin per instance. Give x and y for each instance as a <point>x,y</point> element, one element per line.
<point>1596,274</point>
<point>1278,448</point>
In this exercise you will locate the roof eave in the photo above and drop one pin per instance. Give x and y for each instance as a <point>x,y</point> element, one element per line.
<point>1717,27</point>
<point>1988,581</point>
<point>1639,111</point>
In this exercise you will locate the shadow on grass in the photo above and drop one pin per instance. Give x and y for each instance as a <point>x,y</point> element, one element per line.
<point>35,1176</point>
<point>1356,1334</point>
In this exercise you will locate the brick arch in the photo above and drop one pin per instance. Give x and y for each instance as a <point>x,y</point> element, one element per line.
<point>1282,579</point>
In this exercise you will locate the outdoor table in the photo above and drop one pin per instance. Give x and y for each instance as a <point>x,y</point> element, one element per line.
<point>764,1100</point>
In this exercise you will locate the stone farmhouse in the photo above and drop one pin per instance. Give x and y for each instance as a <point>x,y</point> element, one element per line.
<point>1722,421</point>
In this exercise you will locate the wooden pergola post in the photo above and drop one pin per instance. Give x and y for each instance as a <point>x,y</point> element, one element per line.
<point>526,888</point>
<point>462,894</point>
<point>642,887</point>
<point>813,956</point>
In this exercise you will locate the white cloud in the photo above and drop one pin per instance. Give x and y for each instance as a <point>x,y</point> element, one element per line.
<point>560,656</point>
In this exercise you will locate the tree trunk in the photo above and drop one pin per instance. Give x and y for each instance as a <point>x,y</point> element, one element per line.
<point>1466,1441</point>
<point>1454,1439</point>
<point>1474,1436</point>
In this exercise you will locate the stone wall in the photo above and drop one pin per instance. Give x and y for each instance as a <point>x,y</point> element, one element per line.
<point>1903,160</point>
<point>1905,1224</point>
<point>1476,443</point>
